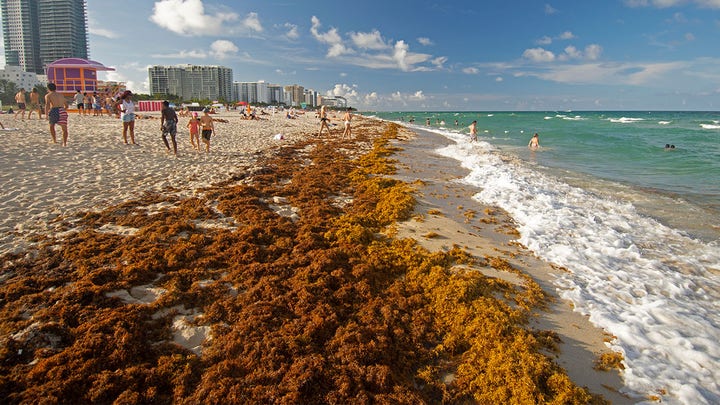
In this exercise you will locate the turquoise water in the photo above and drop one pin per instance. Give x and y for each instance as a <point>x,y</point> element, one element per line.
<point>627,149</point>
<point>636,226</point>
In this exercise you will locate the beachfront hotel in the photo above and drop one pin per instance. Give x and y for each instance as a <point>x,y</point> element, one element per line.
<point>192,82</point>
<point>39,32</point>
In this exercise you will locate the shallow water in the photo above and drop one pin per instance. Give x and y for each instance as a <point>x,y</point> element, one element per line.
<point>636,225</point>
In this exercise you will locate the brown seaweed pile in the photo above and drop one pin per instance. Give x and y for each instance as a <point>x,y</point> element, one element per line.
<point>321,307</point>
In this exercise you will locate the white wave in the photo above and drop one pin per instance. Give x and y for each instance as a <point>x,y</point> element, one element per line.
<point>625,120</point>
<point>710,126</point>
<point>664,122</point>
<point>647,284</point>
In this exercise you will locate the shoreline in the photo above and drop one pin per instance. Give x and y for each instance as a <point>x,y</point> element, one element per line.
<point>448,210</point>
<point>179,188</point>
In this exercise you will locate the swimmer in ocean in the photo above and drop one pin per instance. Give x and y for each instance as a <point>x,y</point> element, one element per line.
<point>534,142</point>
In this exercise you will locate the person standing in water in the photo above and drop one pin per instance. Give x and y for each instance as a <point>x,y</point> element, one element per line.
<point>534,142</point>
<point>473,131</point>
<point>55,105</point>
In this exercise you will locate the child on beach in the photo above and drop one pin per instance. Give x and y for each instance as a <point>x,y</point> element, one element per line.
<point>168,125</point>
<point>206,123</point>
<point>194,126</point>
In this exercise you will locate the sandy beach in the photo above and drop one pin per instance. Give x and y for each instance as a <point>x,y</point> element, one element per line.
<point>142,209</point>
<point>41,181</point>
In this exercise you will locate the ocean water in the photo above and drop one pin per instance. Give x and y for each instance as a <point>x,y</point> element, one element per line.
<point>636,224</point>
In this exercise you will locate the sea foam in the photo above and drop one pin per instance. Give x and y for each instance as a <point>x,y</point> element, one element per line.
<point>647,284</point>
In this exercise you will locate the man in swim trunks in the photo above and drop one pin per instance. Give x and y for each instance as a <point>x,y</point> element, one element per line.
<point>55,105</point>
<point>21,103</point>
<point>206,123</point>
<point>168,125</point>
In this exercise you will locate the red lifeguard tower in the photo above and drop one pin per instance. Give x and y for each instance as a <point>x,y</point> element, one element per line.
<point>73,74</point>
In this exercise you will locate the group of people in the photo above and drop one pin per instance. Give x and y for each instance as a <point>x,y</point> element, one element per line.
<point>197,126</point>
<point>23,106</point>
<point>56,110</point>
<point>95,103</point>
<point>534,143</point>
<point>325,122</point>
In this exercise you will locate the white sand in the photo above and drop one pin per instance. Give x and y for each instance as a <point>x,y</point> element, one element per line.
<point>41,181</point>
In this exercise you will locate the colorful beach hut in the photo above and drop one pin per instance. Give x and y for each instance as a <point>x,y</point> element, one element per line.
<point>73,74</point>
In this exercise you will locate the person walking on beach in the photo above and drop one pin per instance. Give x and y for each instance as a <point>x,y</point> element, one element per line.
<point>55,110</point>
<point>323,121</point>
<point>21,103</point>
<point>206,123</point>
<point>347,118</point>
<point>35,104</point>
<point>534,142</point>
<point>127,115</point>
<point>168,125</point>
<point>473,131</point>
<point>194,126</point>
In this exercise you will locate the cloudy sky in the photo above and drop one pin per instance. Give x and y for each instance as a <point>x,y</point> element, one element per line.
<point>432,55</point>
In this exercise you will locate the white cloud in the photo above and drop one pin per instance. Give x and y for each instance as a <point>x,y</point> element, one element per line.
<point>566,35</point>
<point>331,38</point>
<point>292,31</point>
<point>102,32</point>
<point>343,90</point>
<point>439,61</point>
<point>425,41</point>
<point>368,40</point>
<point>546,40</point>
<point>188,17</point>
<point>499,79</point>
<point>604,73</point>
<point>672,3</point>
<point>471,70</point>
<point>592,52</point>
<point>539,55</point>
<point>550,10</point>
<point>183,54</point>
<point>572,53</point>
<point>252,22</point>
<point>417,96</point>
<point>372,51</point>
<point>223,48</point>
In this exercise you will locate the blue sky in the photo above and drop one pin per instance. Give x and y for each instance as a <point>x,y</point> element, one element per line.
<point>432,55</point>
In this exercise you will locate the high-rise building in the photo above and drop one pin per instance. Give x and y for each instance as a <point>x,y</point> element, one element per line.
<point>252,92</point>
<point>296,94</point>
<point>192,82</point>
<point>39,32</point>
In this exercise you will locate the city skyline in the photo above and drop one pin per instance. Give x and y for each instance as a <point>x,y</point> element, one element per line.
<point>460,55</point>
